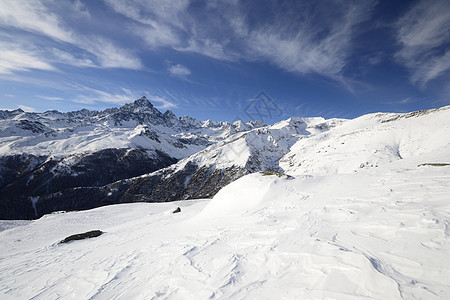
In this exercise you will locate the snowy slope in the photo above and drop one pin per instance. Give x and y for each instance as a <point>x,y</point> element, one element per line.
<point>369,141</point>
<point>316,146</point>
<point>296,146</point>
<point>260,148</point>
<point>379,233</point>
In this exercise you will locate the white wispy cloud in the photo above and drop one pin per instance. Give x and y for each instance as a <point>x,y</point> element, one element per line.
<point>210,47</point>
<point>152,12</point>
<point>161,102</point>
<point>317,39</point>
<point>33,16</point>
<point>26,108</point>
<point>81,9</point>
<point>36,17</point>
<point>322,46</point>
<point>120,96</point>
<point>422,32</point>
<point>405,100</point>
<point>157,35</point>
<point>110,56</point>
<point>64,57</point>
<point>402,101</point>
<point>90,95</point>
<point>51,98</point>
<point>179,70</point>
<point>15,58</point>
<point>156,22</point>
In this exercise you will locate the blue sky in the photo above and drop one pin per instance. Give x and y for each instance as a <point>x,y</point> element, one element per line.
<point>209,59</point>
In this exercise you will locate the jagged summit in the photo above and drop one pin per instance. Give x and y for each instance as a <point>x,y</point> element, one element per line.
<point>9,113</point>
<point>170,118</point>
<point>141,105</point>
<point>169,113</point>
<point>143,101</point>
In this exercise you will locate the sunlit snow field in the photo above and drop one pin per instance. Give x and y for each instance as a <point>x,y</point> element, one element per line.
<point>381,233</point>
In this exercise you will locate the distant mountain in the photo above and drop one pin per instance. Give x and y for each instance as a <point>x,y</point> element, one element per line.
<point>143,147</point>
<point>52,153</point>
<point>138,125</point>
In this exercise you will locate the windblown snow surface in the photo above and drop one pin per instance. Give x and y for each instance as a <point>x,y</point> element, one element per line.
<point>381,231</point>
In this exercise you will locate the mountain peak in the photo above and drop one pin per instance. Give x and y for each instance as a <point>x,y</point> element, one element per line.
<point>169,114</point>
<point>141,105</point>
<point>143,101</point>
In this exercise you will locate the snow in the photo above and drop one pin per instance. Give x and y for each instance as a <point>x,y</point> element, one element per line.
<point>380,233</point>
<point>368,141</point>
<point>361,217</point>
<point>268,144</point>
<point>238,197</point>
<point>63,134</point>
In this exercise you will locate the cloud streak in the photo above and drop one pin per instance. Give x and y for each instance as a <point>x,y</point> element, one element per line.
<point>315,40</point>
<point>26,108</point>
<point>321,47</point>
<point>161,103</point>
<point>89,95</point>
<point>34,16</point>
<point>92,95</point>
<point>422,33</point>
<point>51,98</point>
<point>15,58</point>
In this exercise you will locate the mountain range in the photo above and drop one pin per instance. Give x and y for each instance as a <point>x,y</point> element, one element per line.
<point>55,161</point>
<point>61,161</point>
<point>306,208</point>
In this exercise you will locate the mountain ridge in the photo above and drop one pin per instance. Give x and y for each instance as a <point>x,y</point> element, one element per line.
<point>210,156</point>
<point>52,152</point>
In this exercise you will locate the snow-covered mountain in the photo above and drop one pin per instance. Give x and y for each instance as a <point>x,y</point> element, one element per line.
<point>46,154</point>
<point>296,146</point>
<point>138,125</point>
<point>200,175</point>
<point>226,152</point>
<point>365,214</point>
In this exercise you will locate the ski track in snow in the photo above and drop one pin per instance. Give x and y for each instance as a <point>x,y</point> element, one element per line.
<point>377,234</point>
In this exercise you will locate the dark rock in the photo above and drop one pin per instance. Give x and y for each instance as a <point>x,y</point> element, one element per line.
<point>434,164</point>
<point>276,173</point>
<point>82,236</point>
<point>33,126</point>
<point>168,184</point>
<point>38,185</point>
